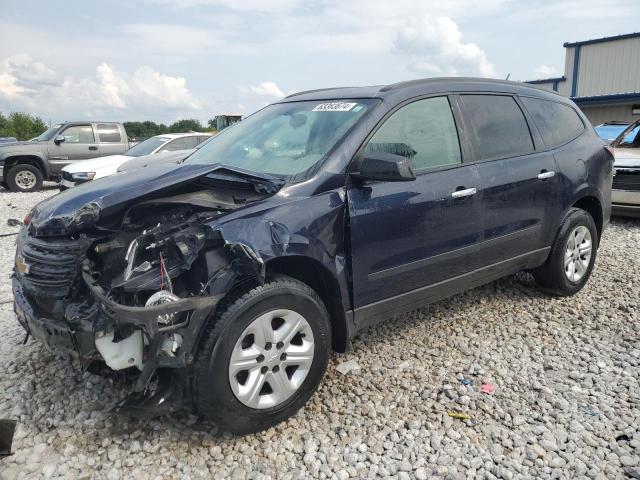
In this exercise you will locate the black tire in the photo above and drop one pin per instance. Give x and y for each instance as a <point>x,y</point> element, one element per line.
<point>4,184</point>
<point>212,393</point>
<point>551,276</point>
<point>17,186</point>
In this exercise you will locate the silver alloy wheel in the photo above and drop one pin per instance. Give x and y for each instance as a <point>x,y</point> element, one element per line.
<point>25,179</point>
<point>271,359</point>
<point>577,254</point>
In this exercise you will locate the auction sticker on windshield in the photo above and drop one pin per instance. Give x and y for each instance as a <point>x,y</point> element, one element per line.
<point>334,107</point>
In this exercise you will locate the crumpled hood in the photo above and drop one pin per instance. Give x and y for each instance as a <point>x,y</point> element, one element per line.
<point>99,163</point>
<point>81,207</point>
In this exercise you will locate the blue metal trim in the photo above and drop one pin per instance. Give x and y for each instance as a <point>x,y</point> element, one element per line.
<point>604,99</point>
<point>576,67</point>
<point>602,40</point>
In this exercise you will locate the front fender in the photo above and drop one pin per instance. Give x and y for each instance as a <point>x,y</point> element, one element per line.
<point>38,157</point>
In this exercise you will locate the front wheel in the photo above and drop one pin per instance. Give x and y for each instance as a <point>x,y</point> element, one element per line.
<point>572,256</point>
<point>24,178</point>
<point>263,357</point>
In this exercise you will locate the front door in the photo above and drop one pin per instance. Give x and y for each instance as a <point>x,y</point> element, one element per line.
<point>79,144</point>
<point>407,235</point>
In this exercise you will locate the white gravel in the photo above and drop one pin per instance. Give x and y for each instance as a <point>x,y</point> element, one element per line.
<point>566,402</point>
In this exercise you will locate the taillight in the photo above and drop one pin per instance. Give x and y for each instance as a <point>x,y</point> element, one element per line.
<point>27,219</point>
<point>609,149</point>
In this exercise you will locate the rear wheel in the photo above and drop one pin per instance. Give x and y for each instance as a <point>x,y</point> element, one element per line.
<point>263,357</point>
<point>24,178</point>
<point>572,256</point>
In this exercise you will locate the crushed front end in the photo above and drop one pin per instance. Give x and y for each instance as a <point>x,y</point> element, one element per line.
<point>134,298</point>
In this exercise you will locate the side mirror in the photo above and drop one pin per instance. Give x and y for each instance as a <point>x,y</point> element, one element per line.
<point>385,167</point>
<point>59,139</point>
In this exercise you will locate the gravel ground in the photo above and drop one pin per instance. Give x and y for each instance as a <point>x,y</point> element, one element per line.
<point>566,403</point>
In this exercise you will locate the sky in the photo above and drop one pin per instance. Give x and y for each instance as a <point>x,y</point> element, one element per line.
<point>164,60</point>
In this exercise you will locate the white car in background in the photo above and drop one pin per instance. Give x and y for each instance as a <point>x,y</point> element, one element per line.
<point>81,172</point>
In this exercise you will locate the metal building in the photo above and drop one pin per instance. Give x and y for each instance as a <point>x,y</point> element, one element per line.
<point>602,76</point>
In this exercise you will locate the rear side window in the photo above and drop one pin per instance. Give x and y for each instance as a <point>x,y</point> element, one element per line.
<point>423,131</point>
<point>556,122</point>
<point>499,126</point>
<point>183,143</point>
<point>109,133</point>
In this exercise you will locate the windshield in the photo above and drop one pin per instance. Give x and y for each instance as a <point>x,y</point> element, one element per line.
<point>146,147</point>
<point>631,138</point>
<point>48,135</point>
<point>284,139</point>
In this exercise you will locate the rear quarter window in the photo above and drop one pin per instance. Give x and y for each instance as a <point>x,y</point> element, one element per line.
<point>556,122</point>
<point>109,133</point>
<point>499,126</point>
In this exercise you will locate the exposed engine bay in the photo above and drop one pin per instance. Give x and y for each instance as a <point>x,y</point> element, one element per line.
<point>133,293</point>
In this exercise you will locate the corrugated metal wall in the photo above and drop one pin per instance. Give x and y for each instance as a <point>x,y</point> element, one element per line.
<point>598,115</point>
<point>606,68</point>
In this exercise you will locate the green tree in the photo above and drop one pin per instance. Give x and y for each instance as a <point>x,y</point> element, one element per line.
<point>21,125</point>
<point>186,125</point>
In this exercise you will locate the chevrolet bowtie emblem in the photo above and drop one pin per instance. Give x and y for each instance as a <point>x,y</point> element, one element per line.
<point>21,265</point>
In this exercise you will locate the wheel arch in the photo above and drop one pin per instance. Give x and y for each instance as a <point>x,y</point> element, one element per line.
<point>318,277</point>
<point>592,205</point>
<point>30,159</point>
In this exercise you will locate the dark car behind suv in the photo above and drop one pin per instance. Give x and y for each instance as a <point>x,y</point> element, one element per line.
<point>223,283</point>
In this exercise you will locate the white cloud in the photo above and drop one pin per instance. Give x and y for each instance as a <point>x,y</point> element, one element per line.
<point>545,71</point>
<point>26,84</point>
<point>267,89</point>
<point>434,46</point>
<point>243,5</point>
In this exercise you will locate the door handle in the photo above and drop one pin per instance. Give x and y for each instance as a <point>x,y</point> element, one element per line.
<point>467,192</point>
<point>543,175</point>
<point>93,148</point>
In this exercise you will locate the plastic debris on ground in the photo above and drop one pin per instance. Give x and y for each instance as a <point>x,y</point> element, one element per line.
<point>404,365</point>
<point>487,388</point>
<point>465,381</point>
<point>7,429</point>
<point>13,222</point>
<point>349,366</point>
<point>458,415</point>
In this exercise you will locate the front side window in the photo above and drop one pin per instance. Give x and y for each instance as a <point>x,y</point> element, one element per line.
<point>79,134</point>
<point>423,131</point>
<point>557,123</point>
<point>499,126</point>
<point>284,139</point>
<point>109,133</point>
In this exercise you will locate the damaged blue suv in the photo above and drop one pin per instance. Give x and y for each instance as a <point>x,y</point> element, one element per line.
<point>223,283</point>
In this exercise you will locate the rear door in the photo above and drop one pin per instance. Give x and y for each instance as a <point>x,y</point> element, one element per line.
<point>80,143</point>
<point>407,235</point>
<point>521,191</point>
<point>111,139</point>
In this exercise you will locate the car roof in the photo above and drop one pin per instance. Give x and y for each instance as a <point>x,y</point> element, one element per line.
<point>179,135</point>
<point>425,86</point>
